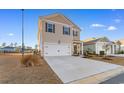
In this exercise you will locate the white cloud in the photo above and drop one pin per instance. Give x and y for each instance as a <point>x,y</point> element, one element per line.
<point>97,25</point>
<point>117,20</point>
<point>111,28</point>
<point>10,34</point>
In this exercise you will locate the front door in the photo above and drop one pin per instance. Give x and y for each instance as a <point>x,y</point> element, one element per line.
<point>75,50</point>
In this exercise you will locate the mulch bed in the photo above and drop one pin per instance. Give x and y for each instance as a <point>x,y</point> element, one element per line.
<point>109,59</point>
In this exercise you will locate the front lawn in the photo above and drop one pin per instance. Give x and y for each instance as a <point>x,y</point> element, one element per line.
<point>12,72</point>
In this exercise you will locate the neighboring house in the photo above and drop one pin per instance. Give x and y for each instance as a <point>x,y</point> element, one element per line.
<point>121,44</point>
<point>28,49</point>
<point>89,39</point>
<point>8,49</point>
<point>98,45</point>
<point>58,36</point>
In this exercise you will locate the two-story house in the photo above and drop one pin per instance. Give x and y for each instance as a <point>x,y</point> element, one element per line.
<point>58,36</point>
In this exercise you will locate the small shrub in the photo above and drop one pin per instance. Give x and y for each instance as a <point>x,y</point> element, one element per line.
<point>31,60</point>
<point>120,52</point>
<point>102,53</point>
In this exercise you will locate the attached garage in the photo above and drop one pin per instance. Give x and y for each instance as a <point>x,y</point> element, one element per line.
<point>53,49</point>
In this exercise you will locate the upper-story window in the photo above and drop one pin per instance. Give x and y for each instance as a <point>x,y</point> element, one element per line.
<point>66,30</point>
<point>75,33</point>
<point>50,27</point>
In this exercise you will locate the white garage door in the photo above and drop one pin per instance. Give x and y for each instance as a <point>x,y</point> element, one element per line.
<point>57,49</point>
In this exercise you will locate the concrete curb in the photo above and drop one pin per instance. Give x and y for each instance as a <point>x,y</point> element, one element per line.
<point>101,77</point>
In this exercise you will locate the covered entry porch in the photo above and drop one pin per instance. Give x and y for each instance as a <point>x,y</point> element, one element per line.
<point>77,48</point>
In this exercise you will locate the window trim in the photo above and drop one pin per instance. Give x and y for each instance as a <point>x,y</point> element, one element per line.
<point>75,33</point>
<point>65,32</point>
<point>53,27</point>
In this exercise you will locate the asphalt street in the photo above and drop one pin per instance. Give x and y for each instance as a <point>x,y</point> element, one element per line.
<point>115,80</point>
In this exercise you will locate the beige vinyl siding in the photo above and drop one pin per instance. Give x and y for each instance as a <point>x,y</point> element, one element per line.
<point>47,39</point>
<point>58,35</point>
<point>77,37</point>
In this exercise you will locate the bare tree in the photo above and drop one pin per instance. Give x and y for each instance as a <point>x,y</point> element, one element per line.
<point>36,46</point>
<point>3,44</point>
<point>106,47</point>
<point>15,44</point>
<point>11,45</point>
<point>119,45</point>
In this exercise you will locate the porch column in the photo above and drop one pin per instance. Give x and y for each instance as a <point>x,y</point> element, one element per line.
<point>113,48</point>
<point>72,48</point>
<point>82,47</point>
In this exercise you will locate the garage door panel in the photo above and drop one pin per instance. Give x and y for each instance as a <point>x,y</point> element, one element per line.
<point>50,50</point>
<point>64,50</point>
<point>57,49</point>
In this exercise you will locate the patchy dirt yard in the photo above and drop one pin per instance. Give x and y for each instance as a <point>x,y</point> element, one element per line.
<point>12,72</point>
<point>110,59</point>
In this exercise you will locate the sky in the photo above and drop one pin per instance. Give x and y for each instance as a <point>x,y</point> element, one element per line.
<point>93,23</point>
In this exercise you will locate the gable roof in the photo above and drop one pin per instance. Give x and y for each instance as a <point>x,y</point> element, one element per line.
<point>89,39</point>
<point>121,41</point>
<point>102,39</point>
<point>60,15</point>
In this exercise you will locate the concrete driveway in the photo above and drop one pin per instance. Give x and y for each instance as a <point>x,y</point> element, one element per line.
<point>70,68</point>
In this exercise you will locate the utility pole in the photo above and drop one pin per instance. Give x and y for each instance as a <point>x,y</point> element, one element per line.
<point>22,32</point>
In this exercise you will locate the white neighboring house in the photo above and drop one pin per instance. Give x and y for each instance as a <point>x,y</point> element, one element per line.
<point>8,49</point>
<point>58,36</point>
<point>98,45</point>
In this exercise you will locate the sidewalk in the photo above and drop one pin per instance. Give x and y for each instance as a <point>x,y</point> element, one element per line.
<point>101,77</point>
